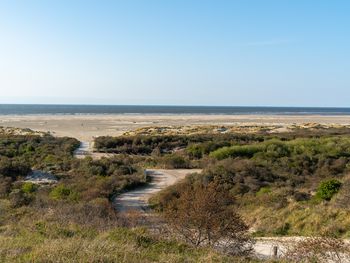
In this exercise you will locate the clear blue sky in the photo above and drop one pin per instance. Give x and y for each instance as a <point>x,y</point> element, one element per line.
<point>180,52</point>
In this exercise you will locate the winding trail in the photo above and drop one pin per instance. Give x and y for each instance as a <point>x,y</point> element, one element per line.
<point>86,148</point>
<point>137,200</point>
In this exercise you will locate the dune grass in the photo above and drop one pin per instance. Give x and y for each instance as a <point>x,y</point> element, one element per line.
<point>115,245</point>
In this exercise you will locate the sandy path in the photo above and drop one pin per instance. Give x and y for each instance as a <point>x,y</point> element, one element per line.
<point>84,149</point>
<point>137,199</point>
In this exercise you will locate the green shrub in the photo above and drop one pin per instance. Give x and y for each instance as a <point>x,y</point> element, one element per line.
<point>264,190</point>
<point>62,192</point>
<point>195,151</point>
<point>236,151</point>
<point>174,161</point>
<point>29,188</point>
<point>327,189</point>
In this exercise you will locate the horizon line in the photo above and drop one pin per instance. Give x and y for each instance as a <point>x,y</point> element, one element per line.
<point>173,105</point>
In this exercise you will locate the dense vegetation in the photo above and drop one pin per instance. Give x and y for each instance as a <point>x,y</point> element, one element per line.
<point>85,179</point>
<point>287,184</point>
<point>197,145</point>
<point>275,184</point>
<point>73,220</point>
<point>147,145</point>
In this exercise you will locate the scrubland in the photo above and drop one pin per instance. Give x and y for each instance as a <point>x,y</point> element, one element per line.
<point>252,185</point>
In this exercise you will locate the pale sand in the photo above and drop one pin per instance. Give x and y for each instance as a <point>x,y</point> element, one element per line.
<point>137,199</point>
<point>86,127</point>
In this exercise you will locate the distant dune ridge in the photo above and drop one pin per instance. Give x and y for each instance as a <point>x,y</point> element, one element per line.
<point>86,127</point>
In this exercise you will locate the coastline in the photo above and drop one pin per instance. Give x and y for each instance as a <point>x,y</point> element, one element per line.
<point>87,126</point>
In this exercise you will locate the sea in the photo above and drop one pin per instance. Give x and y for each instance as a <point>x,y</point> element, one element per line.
<point>40,109</point>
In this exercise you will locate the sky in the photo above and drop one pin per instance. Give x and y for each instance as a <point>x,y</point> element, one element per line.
<point>179,52</point>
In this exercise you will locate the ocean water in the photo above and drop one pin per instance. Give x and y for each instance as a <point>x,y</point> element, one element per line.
<point>32,109</point>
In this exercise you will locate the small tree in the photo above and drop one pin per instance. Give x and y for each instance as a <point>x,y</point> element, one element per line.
<point>202,215</point>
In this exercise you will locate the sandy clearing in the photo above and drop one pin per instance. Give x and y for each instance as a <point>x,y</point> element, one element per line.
<point>138,199</point>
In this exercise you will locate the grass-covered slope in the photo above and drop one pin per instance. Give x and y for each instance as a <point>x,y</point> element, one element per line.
<point>44,242</point>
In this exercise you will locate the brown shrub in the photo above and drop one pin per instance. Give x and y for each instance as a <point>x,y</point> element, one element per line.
<point>202,215</point>
<point>319,249</point>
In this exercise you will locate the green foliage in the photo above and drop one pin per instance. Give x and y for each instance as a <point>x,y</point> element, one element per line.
<point>327,189</point>
<point>29,188</point>
<point>237,151</point>
<point>198,150</point>
<point>195,145</point>
<point>20,153</point>
<point>195,151</point>
<point>62,192</point>
<point>13,167</point>
<point>174,161</point>
<point>19,198</point>
<point>282,230</point>
<point>82,178</point>
<point>334,147</point>
<point>271,176</point>
<point>273,181</point>
<point>264,190</point>
<point>76,225</point>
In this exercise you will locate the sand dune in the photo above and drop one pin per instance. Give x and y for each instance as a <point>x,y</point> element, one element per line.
<point>86,127</point>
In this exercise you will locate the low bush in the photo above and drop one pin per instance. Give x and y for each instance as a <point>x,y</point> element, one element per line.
<point>174,161</point>
<point>327,189</point>
<point>62,192</point>
<point>236,151</point>
<point>29,188</point>
<point>19,198</point>
<point>264,190</point>
<point>318,249</point>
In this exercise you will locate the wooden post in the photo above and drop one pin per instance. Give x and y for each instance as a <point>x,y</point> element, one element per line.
<point>275,251</point>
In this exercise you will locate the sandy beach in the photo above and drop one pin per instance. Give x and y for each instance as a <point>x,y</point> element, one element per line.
<point>86,127</point>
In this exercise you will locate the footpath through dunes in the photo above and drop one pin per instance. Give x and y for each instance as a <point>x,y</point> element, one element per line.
<point>137,199</point>
<point>86,148</point>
